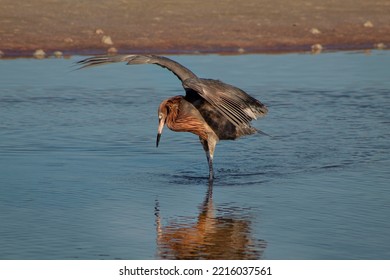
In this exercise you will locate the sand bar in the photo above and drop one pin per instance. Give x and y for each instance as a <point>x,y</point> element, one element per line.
<point>187,26</point>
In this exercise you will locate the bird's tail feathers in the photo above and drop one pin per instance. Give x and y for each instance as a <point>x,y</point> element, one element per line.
<point>258,131</point>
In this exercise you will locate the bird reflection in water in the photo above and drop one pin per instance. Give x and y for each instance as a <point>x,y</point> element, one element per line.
<point>210,237</point>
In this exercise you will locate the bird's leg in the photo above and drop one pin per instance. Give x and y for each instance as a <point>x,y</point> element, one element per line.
<point>209,147</point>
<point>211,171</point>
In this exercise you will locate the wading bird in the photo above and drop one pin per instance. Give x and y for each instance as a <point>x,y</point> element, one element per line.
<point>210,109</point>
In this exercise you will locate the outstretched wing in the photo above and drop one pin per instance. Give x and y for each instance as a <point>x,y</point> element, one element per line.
<point>235,104</point>
<point>176,68</point>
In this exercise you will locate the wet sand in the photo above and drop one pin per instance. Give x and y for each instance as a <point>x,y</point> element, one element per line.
<point>187,26</point>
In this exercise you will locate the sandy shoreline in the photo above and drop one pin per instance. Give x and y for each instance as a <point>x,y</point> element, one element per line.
<point>93,27</point>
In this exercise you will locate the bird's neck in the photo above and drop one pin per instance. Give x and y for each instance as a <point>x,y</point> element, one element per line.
<point>171,118</point>
<point>184,117</point>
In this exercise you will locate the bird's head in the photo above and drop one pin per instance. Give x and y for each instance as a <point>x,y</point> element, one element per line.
<point>162,116</point>
<point>167,114</point>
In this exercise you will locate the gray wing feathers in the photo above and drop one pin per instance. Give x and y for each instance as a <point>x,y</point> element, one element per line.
<point>104,59</point>
<point>176,68</point>
<point>236,105</point>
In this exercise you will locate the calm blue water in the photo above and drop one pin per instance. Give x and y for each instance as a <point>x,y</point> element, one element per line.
<point>81,178</point>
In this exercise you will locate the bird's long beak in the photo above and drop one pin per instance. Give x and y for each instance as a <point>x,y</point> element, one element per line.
<point>159,131</point>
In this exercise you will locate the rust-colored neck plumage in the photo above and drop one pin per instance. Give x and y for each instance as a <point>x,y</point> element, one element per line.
<point>183,117</point>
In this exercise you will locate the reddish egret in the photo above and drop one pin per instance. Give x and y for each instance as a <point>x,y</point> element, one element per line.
<point>210,109</point>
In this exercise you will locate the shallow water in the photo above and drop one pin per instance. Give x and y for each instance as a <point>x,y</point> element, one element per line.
<point>81,178</point>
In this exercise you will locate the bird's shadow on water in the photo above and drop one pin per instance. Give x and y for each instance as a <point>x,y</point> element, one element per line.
<point>215,233</point>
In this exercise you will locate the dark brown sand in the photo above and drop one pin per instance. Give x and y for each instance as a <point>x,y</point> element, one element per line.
<point>190,26</point>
